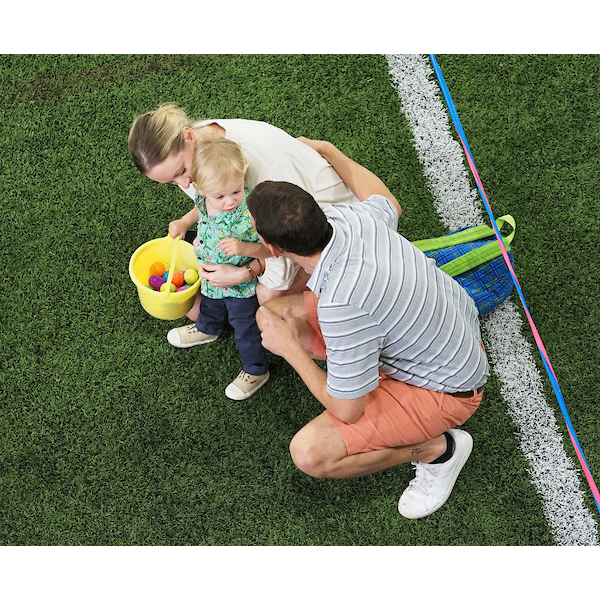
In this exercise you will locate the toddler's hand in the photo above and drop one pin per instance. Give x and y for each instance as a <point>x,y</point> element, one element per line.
<point>177,228</point>
<point>231,247</point>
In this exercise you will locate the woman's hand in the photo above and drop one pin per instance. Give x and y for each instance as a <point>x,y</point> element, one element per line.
<point>359,180</point>
<point>224,275</point>
<point>318,145</point>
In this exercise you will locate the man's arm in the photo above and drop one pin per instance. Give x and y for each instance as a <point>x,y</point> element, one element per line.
<point>281,336</point>
<point>362,182</point>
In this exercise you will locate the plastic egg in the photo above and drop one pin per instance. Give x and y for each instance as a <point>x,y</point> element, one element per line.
<point>157,268</point>
<point>177,278</point>
<point>190,276</point>
<point>155,282</point>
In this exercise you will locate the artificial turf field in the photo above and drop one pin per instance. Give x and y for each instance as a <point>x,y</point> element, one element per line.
<point>110,436</point>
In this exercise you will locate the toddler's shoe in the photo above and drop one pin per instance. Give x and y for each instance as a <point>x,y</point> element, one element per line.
<point>245,385</point>
<point>188,336</point>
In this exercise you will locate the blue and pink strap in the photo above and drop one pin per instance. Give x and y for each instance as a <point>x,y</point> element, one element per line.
<point>536,335</point>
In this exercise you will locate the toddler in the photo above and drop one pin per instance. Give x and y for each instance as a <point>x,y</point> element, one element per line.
<point>225,235</point>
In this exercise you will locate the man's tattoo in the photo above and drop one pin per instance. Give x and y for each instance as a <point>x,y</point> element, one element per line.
<point>416,450</point>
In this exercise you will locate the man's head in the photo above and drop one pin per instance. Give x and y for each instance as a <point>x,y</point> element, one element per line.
<point>288,218</point>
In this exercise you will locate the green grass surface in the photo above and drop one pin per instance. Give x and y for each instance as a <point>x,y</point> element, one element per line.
<point>110,436</point>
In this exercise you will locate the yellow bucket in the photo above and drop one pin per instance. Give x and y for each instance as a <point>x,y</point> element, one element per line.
<point>173,253</point>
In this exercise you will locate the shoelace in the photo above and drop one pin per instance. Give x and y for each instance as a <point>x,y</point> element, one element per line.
<point>424,477</point>
<point>245,377</point>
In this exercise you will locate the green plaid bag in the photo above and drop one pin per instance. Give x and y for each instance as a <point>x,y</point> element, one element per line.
<point>473,257</point>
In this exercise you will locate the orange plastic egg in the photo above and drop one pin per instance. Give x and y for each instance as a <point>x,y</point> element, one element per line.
<point>157,268</point>
<point>177,278</point>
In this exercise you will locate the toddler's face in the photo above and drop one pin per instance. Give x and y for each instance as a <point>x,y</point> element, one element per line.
<point>226,199</point>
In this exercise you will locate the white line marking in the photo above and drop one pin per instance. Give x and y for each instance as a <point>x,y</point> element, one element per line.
<point>553,473</point>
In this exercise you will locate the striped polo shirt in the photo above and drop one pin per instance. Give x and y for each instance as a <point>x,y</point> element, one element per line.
<point>384,306</point>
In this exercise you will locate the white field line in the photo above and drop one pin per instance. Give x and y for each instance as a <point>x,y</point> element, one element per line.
<point>552,471</point>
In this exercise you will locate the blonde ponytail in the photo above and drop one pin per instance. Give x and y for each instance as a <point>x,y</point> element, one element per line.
<point>156,134</point>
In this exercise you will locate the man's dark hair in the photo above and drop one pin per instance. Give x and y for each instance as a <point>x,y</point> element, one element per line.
<point>288,217</point>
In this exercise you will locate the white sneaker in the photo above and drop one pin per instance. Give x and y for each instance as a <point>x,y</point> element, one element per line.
<point>432,484</point>
<point>244,385</point>
<point>188,336</point>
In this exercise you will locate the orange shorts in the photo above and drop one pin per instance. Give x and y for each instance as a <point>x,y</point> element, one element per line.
<point>396,414</point>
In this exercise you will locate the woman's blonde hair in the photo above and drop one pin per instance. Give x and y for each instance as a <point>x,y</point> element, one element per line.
<point>155,134</point>
<point>215,163</point>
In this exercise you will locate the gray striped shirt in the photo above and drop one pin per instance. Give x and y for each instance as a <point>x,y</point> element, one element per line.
<point>384,306</point>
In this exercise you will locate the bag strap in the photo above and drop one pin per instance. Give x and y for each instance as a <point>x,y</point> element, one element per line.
<point>471,234</point>
<point>475,257</point>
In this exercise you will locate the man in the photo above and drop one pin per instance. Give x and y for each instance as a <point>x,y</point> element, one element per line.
<point>405,362</point>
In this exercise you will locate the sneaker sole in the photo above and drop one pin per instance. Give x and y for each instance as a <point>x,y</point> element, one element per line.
<point>243,396</point>
<point>461,463</point>
<point>190,345</point>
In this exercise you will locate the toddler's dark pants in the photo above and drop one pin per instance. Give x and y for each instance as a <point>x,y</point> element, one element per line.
<point>241,313</point>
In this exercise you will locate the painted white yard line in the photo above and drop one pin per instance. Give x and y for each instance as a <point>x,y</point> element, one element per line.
<point>552,472</point>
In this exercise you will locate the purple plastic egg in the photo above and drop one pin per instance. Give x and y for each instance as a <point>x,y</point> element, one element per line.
<point>155,282</point>
<point>183,287</point>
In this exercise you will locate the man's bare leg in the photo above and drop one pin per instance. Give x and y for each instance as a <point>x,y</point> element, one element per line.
<point>319,450</point>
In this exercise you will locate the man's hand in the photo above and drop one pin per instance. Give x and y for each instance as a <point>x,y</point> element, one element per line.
<point>281,335</point>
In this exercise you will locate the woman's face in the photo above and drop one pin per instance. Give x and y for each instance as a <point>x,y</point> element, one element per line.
<point>176,168</point>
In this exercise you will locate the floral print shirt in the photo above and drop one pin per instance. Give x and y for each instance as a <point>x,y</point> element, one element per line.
<point>211,230</point>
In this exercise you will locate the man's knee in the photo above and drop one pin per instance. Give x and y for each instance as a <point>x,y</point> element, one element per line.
<point>277,304</point>
<point>260,319</point>
<point>308,457</point>
<point>264,294</point>
<point>273,305</point>
<point>260,316</point>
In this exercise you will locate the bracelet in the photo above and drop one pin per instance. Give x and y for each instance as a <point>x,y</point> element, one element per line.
<point>252,275</point>
<point>262,269</point>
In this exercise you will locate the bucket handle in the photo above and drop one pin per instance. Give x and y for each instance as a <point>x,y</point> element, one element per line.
<point>171,266</point>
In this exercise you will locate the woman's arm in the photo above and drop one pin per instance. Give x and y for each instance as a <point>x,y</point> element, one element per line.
<point>225,275</point>
<point>362,182</point>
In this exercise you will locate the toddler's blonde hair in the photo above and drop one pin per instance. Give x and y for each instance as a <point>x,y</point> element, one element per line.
<point>216,162</point>
<point>155,134</point>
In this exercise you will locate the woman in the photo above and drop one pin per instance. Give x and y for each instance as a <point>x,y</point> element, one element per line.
<point>162,144</point>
